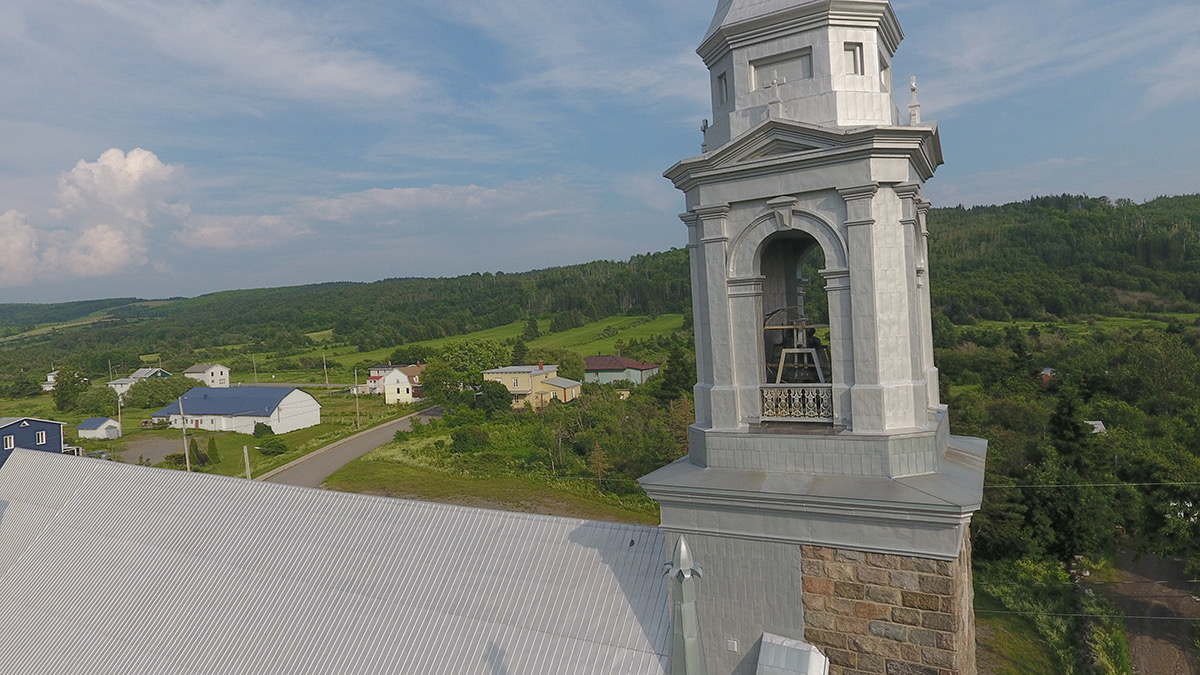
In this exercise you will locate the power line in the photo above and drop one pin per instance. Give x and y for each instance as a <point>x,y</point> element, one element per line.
<point>1053,485</point>
<point>1089,616</point>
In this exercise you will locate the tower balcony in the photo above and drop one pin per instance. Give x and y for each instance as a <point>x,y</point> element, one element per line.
<point>808,402</point>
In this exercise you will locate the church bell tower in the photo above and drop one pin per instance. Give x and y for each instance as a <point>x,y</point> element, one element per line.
<point>823,492</point>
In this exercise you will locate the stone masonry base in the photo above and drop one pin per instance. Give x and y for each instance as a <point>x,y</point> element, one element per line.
<point>872,613</point>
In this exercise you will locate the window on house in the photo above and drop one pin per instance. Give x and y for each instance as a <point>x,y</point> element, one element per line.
<point>41,438</point>
<point>515,382</point>
<point>722,89</point>
<point>554,394</point>
<point>9,443</point>
<point>854,58</point>
<point>789,67</point>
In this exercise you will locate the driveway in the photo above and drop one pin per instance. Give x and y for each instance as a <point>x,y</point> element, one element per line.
<point>312,469</point>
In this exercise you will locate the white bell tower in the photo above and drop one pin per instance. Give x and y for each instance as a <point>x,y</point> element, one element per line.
<point>821,453</point>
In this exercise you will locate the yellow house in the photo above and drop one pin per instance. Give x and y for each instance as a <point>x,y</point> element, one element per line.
<point>536,385</point>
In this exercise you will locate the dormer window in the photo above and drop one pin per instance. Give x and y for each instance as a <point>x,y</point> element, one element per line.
<point>790,67</point>
<point>854,58</point>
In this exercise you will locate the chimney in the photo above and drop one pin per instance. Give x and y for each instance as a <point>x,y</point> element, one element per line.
<point>541,365</point>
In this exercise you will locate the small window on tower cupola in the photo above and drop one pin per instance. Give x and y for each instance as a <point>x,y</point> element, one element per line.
<point>854,58</point>
<point>722,89</point>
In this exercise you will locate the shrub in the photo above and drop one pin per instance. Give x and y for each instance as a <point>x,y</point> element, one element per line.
<point>273,445</point>
<point>469,438</point>
<point>262,430</point>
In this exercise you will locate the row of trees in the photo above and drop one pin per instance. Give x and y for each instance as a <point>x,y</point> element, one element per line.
<point>1057,488</point>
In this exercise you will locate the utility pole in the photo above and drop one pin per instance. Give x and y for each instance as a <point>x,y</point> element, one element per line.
<point>357,424</point>
<point>325,366</point>
<point>187,457</point>
<point>255,362</point>
<point>246,456</point>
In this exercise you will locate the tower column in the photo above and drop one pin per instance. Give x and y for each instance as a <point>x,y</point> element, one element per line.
<point>712,310</point>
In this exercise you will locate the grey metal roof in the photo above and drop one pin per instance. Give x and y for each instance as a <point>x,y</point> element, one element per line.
<point>251,401</point>
<point>111,568</point>
<point>562,382</point>
<point>522,369</point>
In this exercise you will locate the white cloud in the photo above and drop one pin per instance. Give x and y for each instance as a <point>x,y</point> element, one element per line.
<point>239,232</point>
<point>993,51</point>
<point>135,188</point>
<point>452,206</point>
<point>262,45</point>
<point>18,255</point>
<point>104,212</point>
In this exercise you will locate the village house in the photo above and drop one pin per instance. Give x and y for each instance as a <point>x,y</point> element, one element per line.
<point>238,409</point>
<point>535,385</point>
<point>123,384</point>
<point>211,374</point>
<point>31,433</point>
<point>606,369</point>
<point>397,384</point>
<point>51,379</point>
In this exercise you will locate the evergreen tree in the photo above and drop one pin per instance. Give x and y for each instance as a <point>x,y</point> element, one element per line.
<point>213,454</point>
<point>520,351</point>
<point>532,332</point>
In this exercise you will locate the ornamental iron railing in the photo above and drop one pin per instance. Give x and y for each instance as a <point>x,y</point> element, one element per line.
<point>797,403</point>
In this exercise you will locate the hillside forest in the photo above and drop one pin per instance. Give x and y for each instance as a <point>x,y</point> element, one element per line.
<point>1052,318</point>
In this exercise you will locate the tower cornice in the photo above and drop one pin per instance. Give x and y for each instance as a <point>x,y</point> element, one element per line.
<point>920,145</point>
<point>803,17</point>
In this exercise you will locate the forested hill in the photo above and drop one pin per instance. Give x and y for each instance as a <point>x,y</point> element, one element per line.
<point>1046,258</point>
<point>369,315</point>
<point>1059,257</point>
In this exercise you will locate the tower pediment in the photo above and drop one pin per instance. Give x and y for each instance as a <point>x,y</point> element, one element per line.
<point>777,141</point>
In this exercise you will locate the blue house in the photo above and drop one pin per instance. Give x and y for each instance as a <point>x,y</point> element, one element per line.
<point>31,433</point>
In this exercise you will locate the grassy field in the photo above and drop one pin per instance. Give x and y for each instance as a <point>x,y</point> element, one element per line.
<point>1009,644</point>
<point>421,467</point>
<point>508,493</point>
<point>1108,324</point>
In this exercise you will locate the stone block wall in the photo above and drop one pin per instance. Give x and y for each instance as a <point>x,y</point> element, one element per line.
<point>872,613</point>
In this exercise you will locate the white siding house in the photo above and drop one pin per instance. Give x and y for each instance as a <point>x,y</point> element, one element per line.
<point>211,374</point>
<point>237,409</point>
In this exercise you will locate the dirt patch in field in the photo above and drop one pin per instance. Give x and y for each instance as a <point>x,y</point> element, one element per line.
<point>153,449</point>
<point>1161,604</point>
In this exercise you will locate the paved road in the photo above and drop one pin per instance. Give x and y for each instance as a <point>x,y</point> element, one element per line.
<point>312,469</point>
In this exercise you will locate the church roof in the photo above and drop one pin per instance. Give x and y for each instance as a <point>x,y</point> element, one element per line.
<point>210,574</point>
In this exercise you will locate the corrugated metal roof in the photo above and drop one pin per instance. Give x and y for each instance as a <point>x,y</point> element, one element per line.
<point>252,401</point>
<point>112,568</point>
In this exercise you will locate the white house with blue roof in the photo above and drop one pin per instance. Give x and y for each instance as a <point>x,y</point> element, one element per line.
<point>104,428</point>
<point>238,409</point>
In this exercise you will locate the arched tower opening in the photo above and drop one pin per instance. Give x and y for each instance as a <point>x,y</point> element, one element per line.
<point>795,311</point>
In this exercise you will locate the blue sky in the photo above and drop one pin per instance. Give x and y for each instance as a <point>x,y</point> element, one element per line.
<point>155,148</point>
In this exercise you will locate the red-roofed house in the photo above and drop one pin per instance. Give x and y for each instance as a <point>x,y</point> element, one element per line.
<point>606,369</point>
